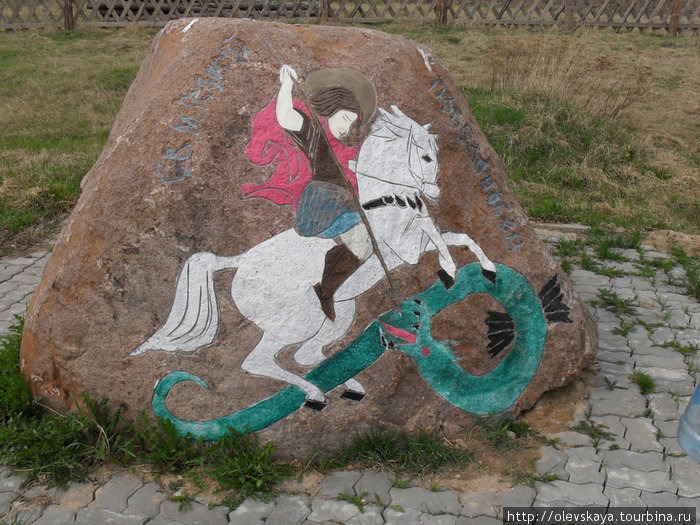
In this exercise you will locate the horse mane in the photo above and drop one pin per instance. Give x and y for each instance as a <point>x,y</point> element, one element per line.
<point>398,126</point>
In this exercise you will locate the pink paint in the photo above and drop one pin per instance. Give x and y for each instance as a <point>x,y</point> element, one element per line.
<point>270,145</point>
<point>397,332</point>
<point>426,351</point>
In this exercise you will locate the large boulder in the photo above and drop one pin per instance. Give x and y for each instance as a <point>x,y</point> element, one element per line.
<point>217,254</point>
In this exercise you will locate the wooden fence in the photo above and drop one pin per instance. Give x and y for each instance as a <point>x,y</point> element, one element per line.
<point>673,16</point>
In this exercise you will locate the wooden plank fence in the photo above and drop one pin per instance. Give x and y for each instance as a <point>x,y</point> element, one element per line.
<point>672,16</point>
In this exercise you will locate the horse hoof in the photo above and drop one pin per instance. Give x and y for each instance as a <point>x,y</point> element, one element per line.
<point>352,396</point>
<point>491,276</point>
<point>316,406</point>
<point>446,279</point>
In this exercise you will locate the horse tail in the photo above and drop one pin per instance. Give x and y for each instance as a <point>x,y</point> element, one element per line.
<point>193,321</point>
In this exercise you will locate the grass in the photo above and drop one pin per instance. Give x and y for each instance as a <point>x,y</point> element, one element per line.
<point>612,302</point>
<point>507,435</point>
<point>597,433</point>
<point>400,452</point>
<point>56,449</point>
<point>644,381</point>
<point>589,125</point>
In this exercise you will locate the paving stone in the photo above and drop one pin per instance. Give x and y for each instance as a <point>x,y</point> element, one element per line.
<point>662,335</point>
<point>670,360</point>
<point>695,320</point>
<point>195,513</point>
<point>642,434</point>
<point>23,262</point>
<point>395,517</point>
<point>614,426</point>
<point>689,338</point>
<point>56,515</point>
<point>625,282</point>
<point>644,461</point>
<point>10,483</point>
<point>551,461</point>
<point>693,503</point>
<point>441,519</point>
<point>481,520</point>
<point>659,499</point>
<point>376,484</point>
<point>290,510</point>
<point>614,356</point>
<point>341,482</point>
<point>623,497</point>
<point>671,446</point>
<point>159,521</point>
<point>251,512</point>
<point>683,388</point>
<point>8,271</point>
<point>479,504</point>
<point>686,476</point>
<point>113,495</point>
<point>610,381</point>
<point>677,318</point>
<point>76,496</point>
<point>6,498</point>
<point>571,438</point>
<point>665,374</point>
<point>668,428</point>
<point>663,407</point>
<point>623,477</point>
<point>617,369</point>
<point>332,510</point>
<point>583,465</point>
<point>371,516</point>
<point>146,501</point>
<point>580,495</point>
<point>647,347</point>
<point>518,496</point>
<point>442,502</point>
<point>88,516</point>
<point>639,284</point>
<point>617,403</point>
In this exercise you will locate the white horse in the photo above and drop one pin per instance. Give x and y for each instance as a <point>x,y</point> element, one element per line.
<point>274,282</point>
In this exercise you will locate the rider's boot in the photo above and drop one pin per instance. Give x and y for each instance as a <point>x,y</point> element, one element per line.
<point>341,263</point>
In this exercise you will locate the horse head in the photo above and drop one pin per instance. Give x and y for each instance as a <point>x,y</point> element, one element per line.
<point>399,151</point>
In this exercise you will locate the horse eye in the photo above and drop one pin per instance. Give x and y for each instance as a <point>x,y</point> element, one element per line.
<point>426,158</point>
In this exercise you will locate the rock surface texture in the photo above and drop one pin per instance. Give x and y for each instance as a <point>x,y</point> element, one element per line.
<point>226,264</point>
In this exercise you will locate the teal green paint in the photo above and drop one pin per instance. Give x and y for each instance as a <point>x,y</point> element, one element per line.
<point>499,389</point>
<point>488,394</point>
<point>332,372</point>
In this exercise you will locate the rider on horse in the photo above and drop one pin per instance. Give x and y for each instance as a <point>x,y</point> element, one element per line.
<point>326,207</point>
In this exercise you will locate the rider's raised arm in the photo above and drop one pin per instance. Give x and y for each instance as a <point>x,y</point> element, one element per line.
<point>287,116</point>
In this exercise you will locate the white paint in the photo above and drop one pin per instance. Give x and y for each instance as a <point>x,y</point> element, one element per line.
<point>286,115</point>
<point>188,26</point>
<point>274,282</point>
<point>341,122</point>
<point>425,59</point>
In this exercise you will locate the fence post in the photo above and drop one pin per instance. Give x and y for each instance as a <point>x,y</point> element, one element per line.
<point>324,9</point>
<point>569,13</point>
<point>441,7</point>
<point>68,15</point>
<point>675,16</point>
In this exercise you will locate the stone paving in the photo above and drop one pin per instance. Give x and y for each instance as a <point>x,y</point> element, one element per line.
<point>640,465</point>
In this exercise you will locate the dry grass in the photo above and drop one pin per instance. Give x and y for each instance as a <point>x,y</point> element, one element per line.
<point>632,100</point>
<point>593,126</point>
<point>59,93</point>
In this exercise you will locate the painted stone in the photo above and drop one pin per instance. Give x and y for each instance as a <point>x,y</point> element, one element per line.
<point>302,232</point>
